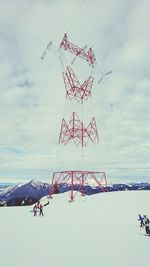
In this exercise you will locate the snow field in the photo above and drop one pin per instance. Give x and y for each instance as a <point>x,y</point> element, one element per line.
<point>93,231</point>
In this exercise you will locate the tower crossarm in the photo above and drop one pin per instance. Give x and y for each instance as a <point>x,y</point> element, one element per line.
<point>77,51</point>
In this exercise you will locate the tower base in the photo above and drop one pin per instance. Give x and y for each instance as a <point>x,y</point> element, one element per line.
<point>76,181</point>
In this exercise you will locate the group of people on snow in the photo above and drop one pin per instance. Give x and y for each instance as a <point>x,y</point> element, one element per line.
<point>144,222</point>
<point>38,207</point>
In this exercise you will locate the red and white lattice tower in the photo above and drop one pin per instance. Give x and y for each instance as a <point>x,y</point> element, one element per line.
<point>74,89</point>
<point>76,181</point>
<point>77,51</point>
<point>75,131</point>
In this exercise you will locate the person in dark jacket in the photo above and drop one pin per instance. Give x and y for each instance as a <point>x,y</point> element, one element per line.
<point>146,223</point>
<point>141,219</point>
<point>41,210</point>
<point>35,210</point>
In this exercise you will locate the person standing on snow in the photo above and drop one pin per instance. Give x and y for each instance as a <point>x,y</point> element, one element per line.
<point>41,210</point>
<point>35,210</point>
<point>146,223</point>
<point>141,219</point>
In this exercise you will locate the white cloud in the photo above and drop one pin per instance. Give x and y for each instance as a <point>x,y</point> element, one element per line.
<point>32,100</point>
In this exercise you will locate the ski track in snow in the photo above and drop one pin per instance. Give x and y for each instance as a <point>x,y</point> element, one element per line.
<point>93,231</point>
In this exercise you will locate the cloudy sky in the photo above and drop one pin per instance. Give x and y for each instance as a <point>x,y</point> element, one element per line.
<point>32,92</point>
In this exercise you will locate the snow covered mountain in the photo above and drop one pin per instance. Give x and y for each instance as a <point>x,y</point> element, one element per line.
<point>35,190</point>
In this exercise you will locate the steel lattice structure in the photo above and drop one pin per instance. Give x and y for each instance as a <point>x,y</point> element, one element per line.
<point>75,181</point>
<point>77,51</point>
<point>76,131</point>
<point>75,90</point>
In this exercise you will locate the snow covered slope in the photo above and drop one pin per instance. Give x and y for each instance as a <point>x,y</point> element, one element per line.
<point>97,230</point>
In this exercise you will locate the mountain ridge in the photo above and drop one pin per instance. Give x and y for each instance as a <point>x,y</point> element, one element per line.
<point>35,190</point>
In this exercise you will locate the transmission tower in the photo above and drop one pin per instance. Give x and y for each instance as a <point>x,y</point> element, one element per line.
<point>75,130</point>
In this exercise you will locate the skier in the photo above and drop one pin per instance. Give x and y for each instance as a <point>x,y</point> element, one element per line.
<point>146,223</point>
<point>41,210</point>
<point>35,210</point>
<point>140,218</point>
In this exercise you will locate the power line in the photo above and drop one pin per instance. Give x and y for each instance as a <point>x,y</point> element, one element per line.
<point>63,26</point>
<point>108,29</point>
<point>114,69</point>
<point>124,64</point>
<point>121,17</point>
